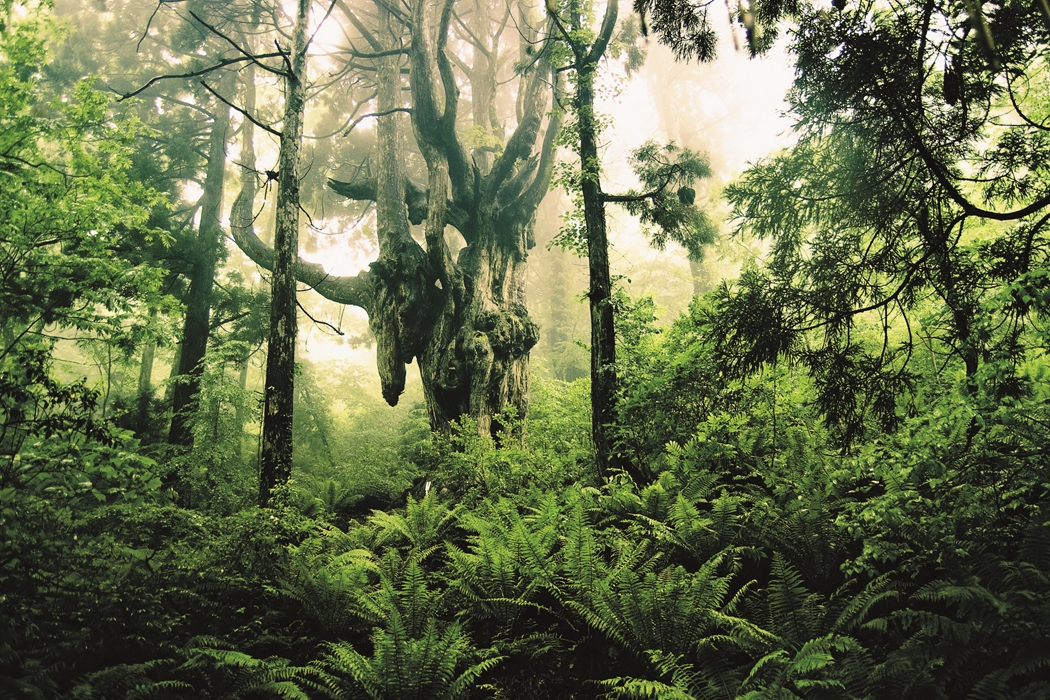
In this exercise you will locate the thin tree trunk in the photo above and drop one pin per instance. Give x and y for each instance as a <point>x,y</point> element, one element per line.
<point>196,327</point>
<point>241,414</point>
<point>145,387</point>
<point>276,460</point>
<point>176,360</point>
<point>144,392</point>
<point>242,214</point>
<point>603,332</point>
<point>604,383</point>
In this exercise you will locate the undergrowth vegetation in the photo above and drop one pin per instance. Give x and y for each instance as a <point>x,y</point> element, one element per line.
<point>758,562</point>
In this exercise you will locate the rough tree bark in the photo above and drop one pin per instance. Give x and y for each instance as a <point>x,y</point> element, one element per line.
<point>276,455</point>
<point>196,327</point>
<point>463,320</point>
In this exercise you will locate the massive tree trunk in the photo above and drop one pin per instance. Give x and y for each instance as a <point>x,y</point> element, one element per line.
<point>276,456</point>
<point>463,320</point>
<point>196,327</point>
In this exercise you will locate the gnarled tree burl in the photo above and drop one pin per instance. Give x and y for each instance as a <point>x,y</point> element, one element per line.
<point>463,320</point>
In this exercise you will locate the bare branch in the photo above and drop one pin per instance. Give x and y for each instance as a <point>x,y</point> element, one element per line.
<point>286,57</point>
<point>359,25</point>
<point>193,74</point>
<point>396,12</point>
<point>360,119</point>
<point>145,32</point>
<point>471,36</point>
<point>377,54</point>
<point>320,323</point>
<point>247,54</point>
<point>319,24</point>
<point>247,116</point>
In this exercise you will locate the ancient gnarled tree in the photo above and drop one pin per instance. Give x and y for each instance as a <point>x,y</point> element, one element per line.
<point>461,316</point>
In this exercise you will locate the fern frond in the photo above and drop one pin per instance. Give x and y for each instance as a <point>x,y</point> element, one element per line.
<point>792,606</point>
<point>857,607</point>
<point>641,689</point>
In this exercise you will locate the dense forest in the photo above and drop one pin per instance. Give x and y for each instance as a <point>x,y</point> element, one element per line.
<point>820,473</point>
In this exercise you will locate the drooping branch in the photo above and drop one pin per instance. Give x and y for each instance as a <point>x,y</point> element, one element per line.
<point>356,290</point>
<point>364,190</point>
<point>371,115</point>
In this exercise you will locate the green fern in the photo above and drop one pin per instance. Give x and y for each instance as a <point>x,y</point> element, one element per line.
<point>242,675</point>
<point>489,577</point>
<point>422,527</point>
<point>983,635</point>
<point>331,588</point>
<point>685,682</point>
<point>405,668</point>
<point>670,615</point>
<point>811,653</point>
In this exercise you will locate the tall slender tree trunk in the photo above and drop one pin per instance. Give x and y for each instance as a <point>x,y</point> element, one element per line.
<point>603,332</point>
<point>276,458</point>
<point>196,327</point>
<point>145,385</point>
<point>242,213</point>
<point>176,360</point>
<point>241,413</point>
<point>604,385</point>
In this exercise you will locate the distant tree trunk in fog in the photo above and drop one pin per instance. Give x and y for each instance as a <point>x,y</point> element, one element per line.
<point>176,360</point>
<point>196,327</point>
<point>241,414</point>
<point>276,459</point>
<point>563,302</point>
<point>702,278</point>
<point>145,385</point>
<point>242,213</point>
<point>679,123</point>
<point>144,391</point>
<point>463,320</point>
